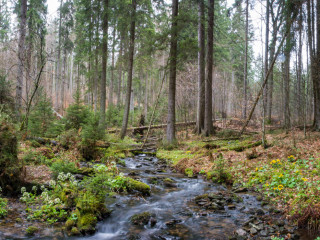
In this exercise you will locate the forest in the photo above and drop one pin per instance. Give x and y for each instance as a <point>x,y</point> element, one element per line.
<point>160,119</point>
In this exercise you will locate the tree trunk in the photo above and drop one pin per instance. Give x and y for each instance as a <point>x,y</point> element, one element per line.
<point>300,93</point>
<point>146,97</point>
<point>112,70</point>
<point>171,131</point>
<point>286,81</point>
<point>22,33</point>
<point>120,63</point>
<point>104,65</point>
<point>266,57</point>
<point>208,127</point>
<point>317,71</point>
<point>245,81</point>
<point>130,71</point>
<point>201,69</point>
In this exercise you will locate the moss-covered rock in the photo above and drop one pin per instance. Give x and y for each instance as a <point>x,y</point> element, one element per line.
<point>31,230</point>
<point>87,223</point>
<point>69,224</point>
<point>168,182</point>
<point>75,231</point>
<point>141,218</point>
<point>134,185</point>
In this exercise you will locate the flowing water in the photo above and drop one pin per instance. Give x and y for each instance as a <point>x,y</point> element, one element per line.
<point>173,208</point>
<point>175,215</point>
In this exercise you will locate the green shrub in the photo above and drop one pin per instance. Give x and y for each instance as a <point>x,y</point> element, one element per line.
<point>3,206</point>
<point>10,165</point>
<point>6,99</point>
<point>219,172</point>
<point>41,117</point>
<point>61,166</point>
<point>91,133</point>
<point>77,114</point>
<point>69,138</point>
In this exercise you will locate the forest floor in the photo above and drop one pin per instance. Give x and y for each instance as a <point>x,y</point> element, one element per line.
<point>286,173</point>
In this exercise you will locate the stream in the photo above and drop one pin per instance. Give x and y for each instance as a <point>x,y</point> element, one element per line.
<point>177,212</point>
<point>175,215</point>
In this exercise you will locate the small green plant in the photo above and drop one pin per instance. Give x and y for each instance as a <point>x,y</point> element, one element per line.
<point>189,172</point>
<point>31,230</point>
<point>3,206</point>
<point>219,171</point>
<point>77,113</point>
<point>60,166</point>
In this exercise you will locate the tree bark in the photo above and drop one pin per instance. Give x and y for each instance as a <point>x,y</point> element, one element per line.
<point>171,131</point>
<point>266,56</point>
<point>104,65</point>
<point>286,79</point>
<point>22,32</point>
<point>120,63</point>
<point>208,126</point>
<point>130,71</point>
<point>317,71</point>
<point>201,69</point>
<point>245,81</point>
<point>112,70</point>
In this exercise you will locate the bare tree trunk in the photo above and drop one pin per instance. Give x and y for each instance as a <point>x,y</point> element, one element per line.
<point>245,81</point>
<point>96,77</point>
<point>208,127</point>
<point>112,70</point>
<point>287,54</point>
<point>266,56</point>
<point>130,71</point>
<point>299,72</point>
<point>22,32</point>
<point>120,63</point>
<point>171,131</point>
<point>146,97</point>
<point>58,70</point>
<point>317,70</point>
<point>201,69</point>
<point>104,65</point>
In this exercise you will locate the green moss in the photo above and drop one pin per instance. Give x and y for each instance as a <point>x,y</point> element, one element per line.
<point>188,172</point>
<point>138,186</point>
<point>88,202</point>
<point>168,180</point>
<point>67,197</point>
<point>75,231</point>
<point>141,218</point>
<point>31,230</point>
<point>86,223</point>
<point>69,224</point>
<point>174,156</point>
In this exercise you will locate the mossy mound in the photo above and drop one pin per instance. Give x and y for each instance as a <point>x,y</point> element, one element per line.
<point>10,165</point>
<point>87,223</point>
<point>31,230</point>
<point>134,185</point>
<point>141,218</point>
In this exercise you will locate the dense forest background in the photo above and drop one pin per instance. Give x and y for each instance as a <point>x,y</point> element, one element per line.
<point>124,59</point>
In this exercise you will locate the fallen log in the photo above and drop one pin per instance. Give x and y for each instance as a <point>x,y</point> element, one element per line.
<point>180,124</point>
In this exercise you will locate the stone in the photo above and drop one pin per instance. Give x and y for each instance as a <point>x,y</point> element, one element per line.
<point>253,231</point>
<point>231,206</point>
<point>264,233</point>
<point>241,232</point>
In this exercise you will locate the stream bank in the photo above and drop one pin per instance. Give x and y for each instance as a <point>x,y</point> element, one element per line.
<point>178,208</point>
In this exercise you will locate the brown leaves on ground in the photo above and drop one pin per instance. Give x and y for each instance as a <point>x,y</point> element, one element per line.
<point>40,174</point>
